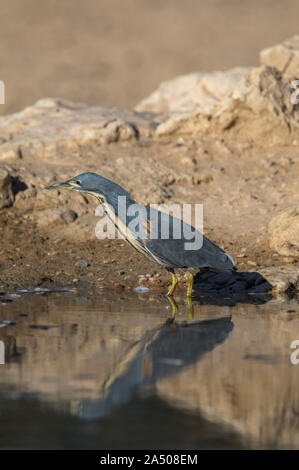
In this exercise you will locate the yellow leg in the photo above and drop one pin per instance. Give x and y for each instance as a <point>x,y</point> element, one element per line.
<point>190,309</point>
<point>174,284</point>
<point>174,306</point>
<point>190,278</point>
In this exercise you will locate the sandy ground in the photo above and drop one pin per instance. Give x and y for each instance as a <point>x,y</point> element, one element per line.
<point>116,52</point>
<point>239,200</point>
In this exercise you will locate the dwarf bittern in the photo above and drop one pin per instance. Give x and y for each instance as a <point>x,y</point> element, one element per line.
<point>167,250</point>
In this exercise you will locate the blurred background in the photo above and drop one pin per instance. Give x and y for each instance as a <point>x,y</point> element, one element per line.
<point>115,52</point>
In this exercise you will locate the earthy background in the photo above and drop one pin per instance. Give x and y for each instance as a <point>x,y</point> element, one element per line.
<point>115,52</point>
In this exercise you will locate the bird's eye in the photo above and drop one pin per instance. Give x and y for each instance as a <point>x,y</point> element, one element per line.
<point>78,183</point>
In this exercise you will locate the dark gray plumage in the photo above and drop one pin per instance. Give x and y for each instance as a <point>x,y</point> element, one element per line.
<point>171,252</point>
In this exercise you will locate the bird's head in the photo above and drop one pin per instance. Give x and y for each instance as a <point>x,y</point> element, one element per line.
<point>94,184</point>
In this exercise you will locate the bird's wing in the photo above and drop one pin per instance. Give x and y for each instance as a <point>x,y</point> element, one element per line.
<point>178,250</point>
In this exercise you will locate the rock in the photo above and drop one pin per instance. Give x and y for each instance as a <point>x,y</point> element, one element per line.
<point>112,132</point>
<point>81,263</point>
<point>279,279</point>
<point>54,126</point>
<point>284,56</point>
<point>282,278</point>
<point>9,152</point>
<point>54,216</point>
<point>68,216</point>
<point>194,91</point>
<point>7,323</point>
<point>283,232</point>
<point>41,327</point>
<point>240,103</point>
<point>6,192</point>
<point>206,282</point>
<point>117,287</point>
<point>141,289</point>
<point>252,263</point>
<point>264,287</point>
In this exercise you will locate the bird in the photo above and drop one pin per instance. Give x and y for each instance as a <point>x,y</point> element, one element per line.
<point>148,239</point>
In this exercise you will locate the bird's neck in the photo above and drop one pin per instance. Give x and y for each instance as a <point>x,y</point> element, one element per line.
<point>117,210</point>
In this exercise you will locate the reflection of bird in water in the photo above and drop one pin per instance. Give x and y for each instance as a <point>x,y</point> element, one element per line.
<point>161,353</point>
<point>169,252</point>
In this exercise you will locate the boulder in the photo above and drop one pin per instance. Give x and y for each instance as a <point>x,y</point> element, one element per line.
<point>195,91</point>
<point>247,104</point>
<point>53,126</point>
<point>284,57</point>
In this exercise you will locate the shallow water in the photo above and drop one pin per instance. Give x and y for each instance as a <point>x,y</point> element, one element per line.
<point>104,371</point>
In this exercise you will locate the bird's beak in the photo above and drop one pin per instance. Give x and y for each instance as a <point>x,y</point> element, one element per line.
<point>64,185</point>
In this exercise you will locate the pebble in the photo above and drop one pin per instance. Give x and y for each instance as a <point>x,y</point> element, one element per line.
<point>81,264</point>
<point>41,327</point>
<point>7,323</point>
<point>68,216</point>
<point>252,263</point>
<point>6,302</point>
<point>118,287</point>
<point>40,290</point>
<point>141,289</point>
<point>180,142</point>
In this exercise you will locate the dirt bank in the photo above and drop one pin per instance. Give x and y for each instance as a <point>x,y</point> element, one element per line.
<point>239,200</point>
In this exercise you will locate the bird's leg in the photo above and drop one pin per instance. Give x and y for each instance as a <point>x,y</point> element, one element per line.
<point>174,282</point>
<point>174,306</point>
<point>190,309</point>
<point>190,278</point>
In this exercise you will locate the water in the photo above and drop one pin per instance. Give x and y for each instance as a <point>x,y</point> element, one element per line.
<point>94,370</point>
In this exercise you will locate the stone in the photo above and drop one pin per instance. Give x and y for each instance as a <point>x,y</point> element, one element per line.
<point>141,289</point>
<point>6,192</point>
<point>276,278</point>
<point>117,287</point>
<point>227,104</point>
<point>283,233</point>
<point>55,125</point>
<point>49,217</point>
<point>7,323</point>
<point>282,278</point>
<point>68,216</point>
<point>194,91</point>
<point>81,263</point>
<point>284,56</point>
<point>112,132</point>
<point>264,287</point>
<point>9,152</point>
